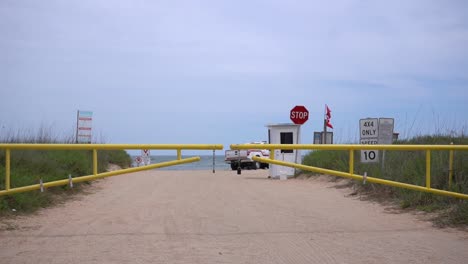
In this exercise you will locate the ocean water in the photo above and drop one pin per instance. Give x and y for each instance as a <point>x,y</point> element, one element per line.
<point>206,162</point>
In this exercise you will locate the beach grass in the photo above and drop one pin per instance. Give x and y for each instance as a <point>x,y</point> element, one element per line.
<point>409,167</point>
<point>30,166</point>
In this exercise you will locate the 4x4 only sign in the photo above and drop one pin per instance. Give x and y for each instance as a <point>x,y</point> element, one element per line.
<point>369,134</point>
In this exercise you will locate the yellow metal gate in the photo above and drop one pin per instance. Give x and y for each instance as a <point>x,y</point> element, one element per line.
<point>179,147</point>
<point>350,174</point>
<point>95,147</point>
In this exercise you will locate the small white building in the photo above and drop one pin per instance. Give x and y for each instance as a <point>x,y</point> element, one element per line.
<point>284,134</point>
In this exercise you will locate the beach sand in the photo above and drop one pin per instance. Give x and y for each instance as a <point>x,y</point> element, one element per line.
<point>201,217</point>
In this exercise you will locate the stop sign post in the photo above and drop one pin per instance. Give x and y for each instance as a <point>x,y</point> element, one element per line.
<point>299,115</point>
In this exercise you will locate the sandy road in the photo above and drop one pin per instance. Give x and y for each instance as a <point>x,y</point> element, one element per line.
<point>200,217</point>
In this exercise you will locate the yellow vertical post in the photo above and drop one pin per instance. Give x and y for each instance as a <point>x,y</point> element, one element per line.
<point>7,169</point>
<point>179,154</point>
<point>272,154</point>
<point>428,169</point>
<point>450,166</point>
<point>95,165</point>
<point>351,161</point>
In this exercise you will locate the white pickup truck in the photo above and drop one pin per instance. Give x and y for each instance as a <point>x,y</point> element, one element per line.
<point>243,157</point>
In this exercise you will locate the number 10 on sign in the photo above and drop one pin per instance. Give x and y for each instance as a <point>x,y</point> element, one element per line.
<point>368,156</point>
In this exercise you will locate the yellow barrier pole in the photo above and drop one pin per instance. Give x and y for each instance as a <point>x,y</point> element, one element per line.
<point>272,154</point>
<point>111,146</point>
<point>351,161</point>
<point>179,154</point>
<point>428,169</point>
<point>98,176</point>
<point>360,177</point>
<point>95,162</point>
<point>450,166</point>
<point>7,169</point>
<point>349,146</point>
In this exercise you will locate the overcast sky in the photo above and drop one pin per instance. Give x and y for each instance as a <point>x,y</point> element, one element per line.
<point>219,71</point>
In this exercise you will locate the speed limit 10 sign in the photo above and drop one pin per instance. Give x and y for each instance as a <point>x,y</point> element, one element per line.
<point>375,131</point>
<point>369,133</point>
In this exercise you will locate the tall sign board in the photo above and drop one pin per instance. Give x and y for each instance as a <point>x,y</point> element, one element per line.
<point>386,126</point>
<point>369,135</point>
<point>145,156</point>
<point>375,131</point>
<point>83,126</point>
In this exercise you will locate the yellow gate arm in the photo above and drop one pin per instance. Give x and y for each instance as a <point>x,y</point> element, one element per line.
<point>98,176</point>
<point>95,147</point>
<point>360,177</point>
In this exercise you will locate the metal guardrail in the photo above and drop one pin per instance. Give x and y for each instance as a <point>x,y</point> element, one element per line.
<point>95,147</point>
<point>179,147</point>
<point>351,149</point>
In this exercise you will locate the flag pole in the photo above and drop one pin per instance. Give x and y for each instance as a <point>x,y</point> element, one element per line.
<point>325,126</point>
<point>77,124</point>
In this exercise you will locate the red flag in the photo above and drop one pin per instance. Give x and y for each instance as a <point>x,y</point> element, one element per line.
<point>328,112</point>
<point>328,123</point>
<point>328,117</point>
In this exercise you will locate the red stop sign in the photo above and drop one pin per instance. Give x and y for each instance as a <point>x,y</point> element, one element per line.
<point>299,114</point>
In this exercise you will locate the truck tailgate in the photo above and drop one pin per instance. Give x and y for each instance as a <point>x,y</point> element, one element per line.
<point>235,154</point>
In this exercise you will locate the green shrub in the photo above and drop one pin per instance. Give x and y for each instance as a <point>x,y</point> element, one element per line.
<point>328,159</point>
<point>117,157</point>
<point>409,167</point>
<point>29,166</point>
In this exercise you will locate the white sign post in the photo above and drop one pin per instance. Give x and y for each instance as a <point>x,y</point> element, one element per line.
<point>386,126</point>
<point>145,155</point>
<point>138,161</point>
<point>375,131</point>
<point>369,134</point>
<point>83,126</point>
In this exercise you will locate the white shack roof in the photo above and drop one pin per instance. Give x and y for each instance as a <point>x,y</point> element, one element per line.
<point>282,125</point>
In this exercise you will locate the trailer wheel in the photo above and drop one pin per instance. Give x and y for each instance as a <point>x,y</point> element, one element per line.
<point>255,165</point>
<point>234,165</point>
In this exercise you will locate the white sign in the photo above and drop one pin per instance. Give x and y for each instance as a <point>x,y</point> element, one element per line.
<point>145,156</point>
<point>138,161</point>
<point>83,126</point>
<point>386,130</point>
<point>375,131</point>
<point>369,128</point>
<point>368,156</point>
<point>369,134</point>
<point>369,141</point>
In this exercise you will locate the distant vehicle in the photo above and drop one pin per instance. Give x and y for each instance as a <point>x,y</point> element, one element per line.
<point>243,158</point>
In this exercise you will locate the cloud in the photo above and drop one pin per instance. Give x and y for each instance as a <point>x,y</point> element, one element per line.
<point>247,61</point>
